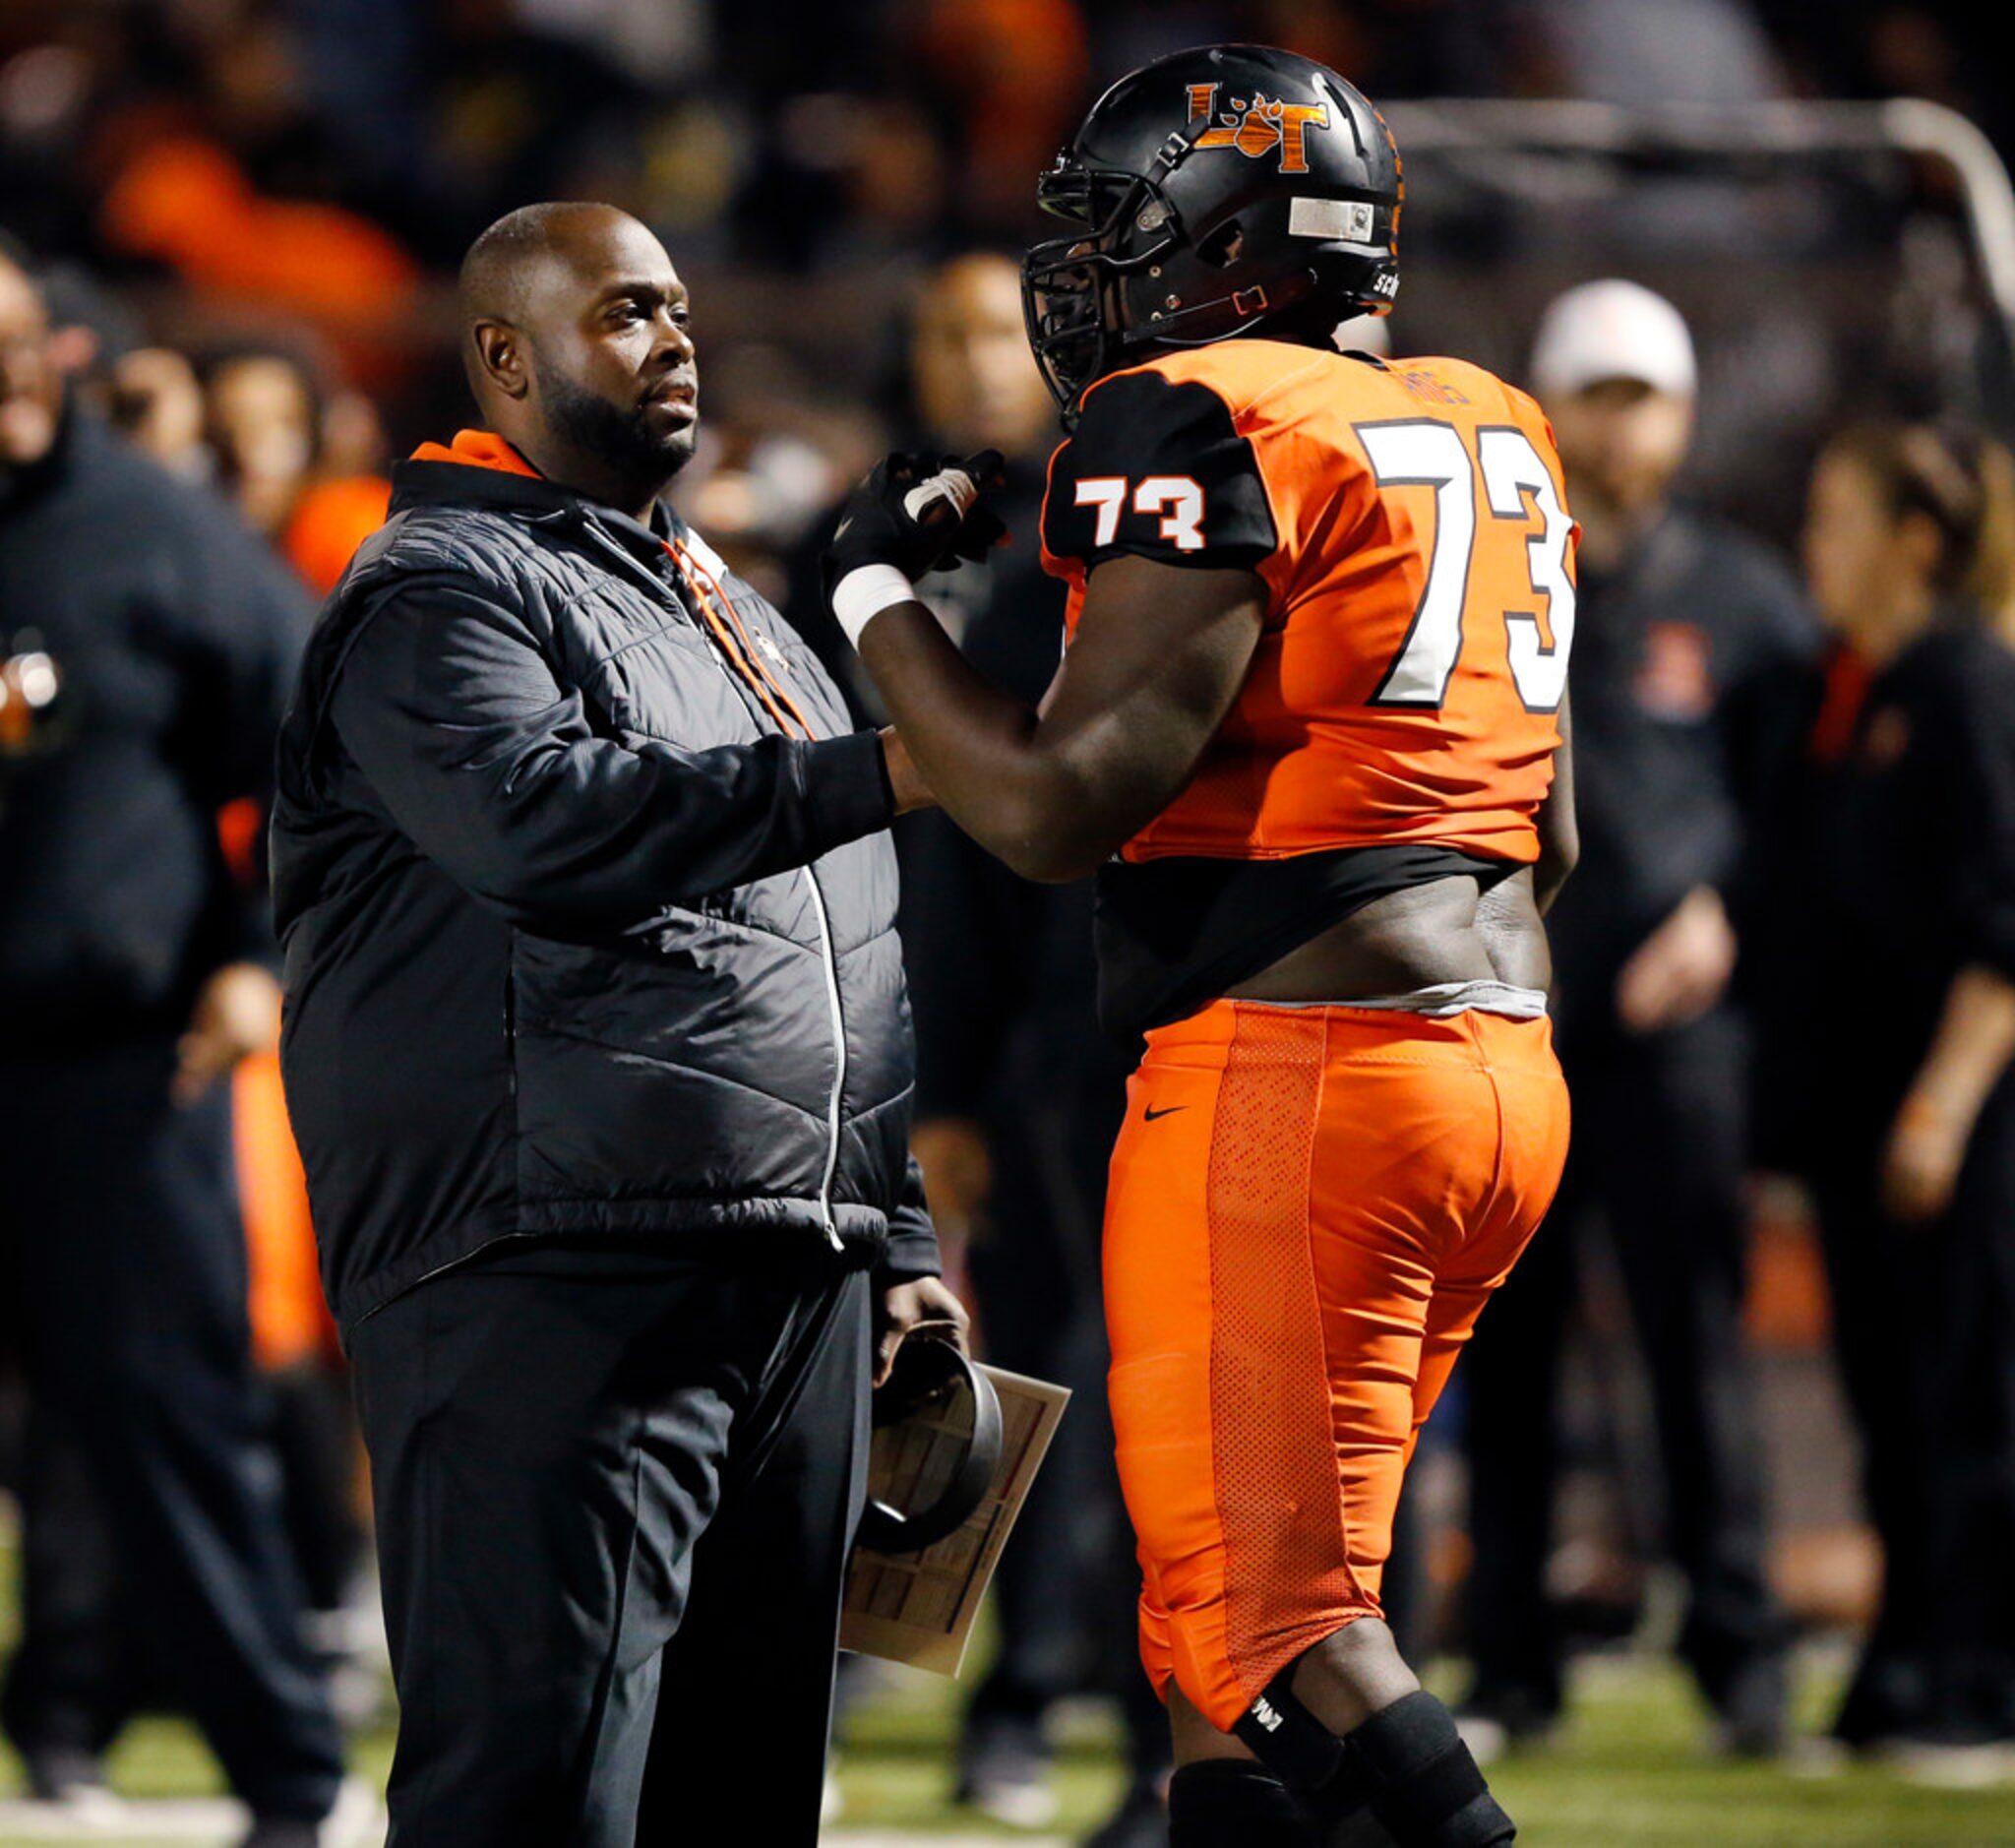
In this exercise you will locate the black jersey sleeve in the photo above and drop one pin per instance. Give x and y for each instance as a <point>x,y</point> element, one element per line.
<point>1157,469</point>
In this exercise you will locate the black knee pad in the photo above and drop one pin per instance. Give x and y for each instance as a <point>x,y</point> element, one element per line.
<point>1426,1787</point>
<point>1232,1803</point>
<point>1407,1763</point>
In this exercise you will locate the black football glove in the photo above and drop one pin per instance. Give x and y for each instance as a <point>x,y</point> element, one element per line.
<point>918,517</point>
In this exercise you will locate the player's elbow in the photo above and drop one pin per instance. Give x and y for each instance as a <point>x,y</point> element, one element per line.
<point>1558,855</point>
<point>1047,854</point>
<point>1046,832</point>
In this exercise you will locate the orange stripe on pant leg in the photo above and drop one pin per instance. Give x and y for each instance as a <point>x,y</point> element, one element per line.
<point>1286,1562</point>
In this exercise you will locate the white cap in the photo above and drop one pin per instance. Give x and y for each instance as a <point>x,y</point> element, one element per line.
<point>1612,330</point>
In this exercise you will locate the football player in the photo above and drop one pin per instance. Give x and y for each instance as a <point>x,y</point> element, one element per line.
<point>1310,730</point>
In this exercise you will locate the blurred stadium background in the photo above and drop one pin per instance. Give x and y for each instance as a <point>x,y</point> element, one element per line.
<point>253,209</point>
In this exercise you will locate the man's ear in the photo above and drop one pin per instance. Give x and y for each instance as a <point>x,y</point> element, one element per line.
<point>500,352</point>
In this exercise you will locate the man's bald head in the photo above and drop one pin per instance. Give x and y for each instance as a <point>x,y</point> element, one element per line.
<point>520,260</point>
<point>499,265</point>
<point>574,337</point>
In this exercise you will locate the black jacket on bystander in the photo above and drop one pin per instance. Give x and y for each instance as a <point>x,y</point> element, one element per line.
<point>174,635</point>
<point>582,939</point>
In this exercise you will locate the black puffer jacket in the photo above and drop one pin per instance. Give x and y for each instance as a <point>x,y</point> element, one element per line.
<point>580,938</point>
<point>176,634</point>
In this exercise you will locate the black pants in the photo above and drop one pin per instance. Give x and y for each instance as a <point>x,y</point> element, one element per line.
<point>1923,1325</point>
<point>615,1493</point>
<point>81,1671</point>
<point>1658,1154</point>
<point>125,1256</point>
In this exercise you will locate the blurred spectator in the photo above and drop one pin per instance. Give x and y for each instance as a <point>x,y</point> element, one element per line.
<point>1018,1098</point>
<point>1902,890</point>
<point>268,425</point>
<point>264,424</point>
<point>155,401</point>
<point>1689,637</point>
<point>260,412</point>
<point>130,985</point>
<point>150,394</point>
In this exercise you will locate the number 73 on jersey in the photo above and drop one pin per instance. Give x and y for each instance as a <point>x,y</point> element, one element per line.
<point>1421,452</point>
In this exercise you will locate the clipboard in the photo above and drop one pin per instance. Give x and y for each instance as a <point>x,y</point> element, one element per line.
<point>918,1607</point>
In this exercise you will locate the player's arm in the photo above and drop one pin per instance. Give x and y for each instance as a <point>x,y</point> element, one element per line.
<point>1559,835</point>
<point>1159,656</point>
<point>1173,609</point>
<point>1969,1054</point>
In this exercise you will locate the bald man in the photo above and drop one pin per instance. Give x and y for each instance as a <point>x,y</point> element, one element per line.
<point>597,1050</point>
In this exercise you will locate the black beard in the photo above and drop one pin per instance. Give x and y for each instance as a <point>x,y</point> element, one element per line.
<point>622,440</point>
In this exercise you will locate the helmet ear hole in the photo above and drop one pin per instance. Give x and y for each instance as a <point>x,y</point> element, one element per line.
<point>1222,247</point>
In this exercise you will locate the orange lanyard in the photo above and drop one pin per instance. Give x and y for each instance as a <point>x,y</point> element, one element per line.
<point>715,604</point>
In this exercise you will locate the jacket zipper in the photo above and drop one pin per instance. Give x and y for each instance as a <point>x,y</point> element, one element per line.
<point>510,1008</point>
<point>828,957</point>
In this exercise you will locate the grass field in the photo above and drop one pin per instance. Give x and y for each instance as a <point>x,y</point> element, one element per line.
<point>1628,1769</point>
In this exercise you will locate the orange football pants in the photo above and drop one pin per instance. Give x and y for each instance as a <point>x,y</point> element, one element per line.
<point>1307,1208</point>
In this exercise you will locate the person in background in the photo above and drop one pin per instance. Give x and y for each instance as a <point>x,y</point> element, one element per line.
<point>268,422</point>
<point>281,453</point>
<point>287,451</point>
<point>1691,639</point>
<point>261,414</point>
<point>1018,1098</point>
<point>132,978</point>
<point>155,399</point>
<point>1901,884</point>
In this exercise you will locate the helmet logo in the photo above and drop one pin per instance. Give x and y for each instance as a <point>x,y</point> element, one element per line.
<point>1257,126</point>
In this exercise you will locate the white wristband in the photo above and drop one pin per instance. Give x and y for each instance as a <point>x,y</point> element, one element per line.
<point>865,592</point>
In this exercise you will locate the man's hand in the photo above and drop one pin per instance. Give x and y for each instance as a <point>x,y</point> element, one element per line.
<point>1681,969</point>
<point>1921,1164</point>
<point>236,1015</point>
<point>906,1306</point>
<point>905,782</point>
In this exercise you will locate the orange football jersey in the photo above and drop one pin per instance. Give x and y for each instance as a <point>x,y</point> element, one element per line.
<point>1410,522</point>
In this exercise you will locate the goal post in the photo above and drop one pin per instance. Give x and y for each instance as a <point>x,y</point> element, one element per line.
<point>1832,257</point>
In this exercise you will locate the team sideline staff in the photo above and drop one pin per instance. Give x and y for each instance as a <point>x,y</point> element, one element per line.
<point>597,1050</point>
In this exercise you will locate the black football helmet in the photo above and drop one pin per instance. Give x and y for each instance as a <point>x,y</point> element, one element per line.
<point>1209,193</point>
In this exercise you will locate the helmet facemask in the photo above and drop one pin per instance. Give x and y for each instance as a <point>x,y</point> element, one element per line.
<point>1072,287</point>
